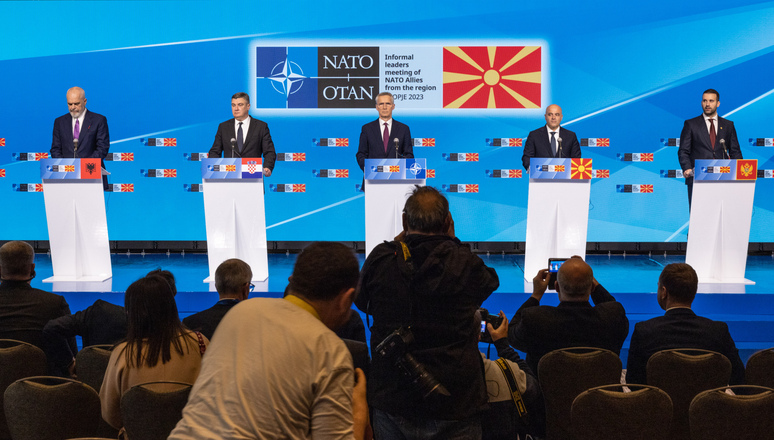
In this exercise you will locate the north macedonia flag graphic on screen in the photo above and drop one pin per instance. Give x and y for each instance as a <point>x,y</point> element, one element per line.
<point>491,77</point>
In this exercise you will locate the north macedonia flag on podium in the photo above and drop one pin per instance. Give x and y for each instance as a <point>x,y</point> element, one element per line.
<point>580,168</point>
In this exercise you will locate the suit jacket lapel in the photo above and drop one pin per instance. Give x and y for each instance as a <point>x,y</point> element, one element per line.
<point>85,128</point>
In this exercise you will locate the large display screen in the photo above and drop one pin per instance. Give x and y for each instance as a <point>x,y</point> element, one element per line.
<point>471,81</point>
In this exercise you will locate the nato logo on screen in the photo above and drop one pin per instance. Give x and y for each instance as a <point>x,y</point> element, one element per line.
<point>316,77</point>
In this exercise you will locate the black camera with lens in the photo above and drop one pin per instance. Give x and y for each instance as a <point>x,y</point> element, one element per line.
<point>394,348</point>
<point>486,318</point>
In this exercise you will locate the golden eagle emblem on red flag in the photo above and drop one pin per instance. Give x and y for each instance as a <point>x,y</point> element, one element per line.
<point>746,169</point>
<point>492,76</point>
<point>580,168</point>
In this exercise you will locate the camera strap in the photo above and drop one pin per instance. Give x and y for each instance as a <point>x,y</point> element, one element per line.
<point>514,387</point>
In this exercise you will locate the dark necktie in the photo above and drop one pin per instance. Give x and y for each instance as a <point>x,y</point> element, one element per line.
<point>553,143</point>
<point>386,137</point>
<point>712,132</point>
<point>239,138</point>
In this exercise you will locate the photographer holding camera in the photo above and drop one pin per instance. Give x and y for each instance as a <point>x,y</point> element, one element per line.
<point>426,378</point>
<point>513,389</point>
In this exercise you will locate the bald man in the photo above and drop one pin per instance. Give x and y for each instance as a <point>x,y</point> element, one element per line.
<point>551,140</point>
<point>89,128</point>
<point>537,330</point>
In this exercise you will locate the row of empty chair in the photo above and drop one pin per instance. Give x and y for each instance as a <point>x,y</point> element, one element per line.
<point>38,407</point>
<point>678,375</point>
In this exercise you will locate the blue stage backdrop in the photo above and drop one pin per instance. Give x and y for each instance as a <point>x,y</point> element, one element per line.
<point>470,79</point>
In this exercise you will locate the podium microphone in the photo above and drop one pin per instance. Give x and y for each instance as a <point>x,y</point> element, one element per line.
<point>233,146</point>
<point>725,151</point>
<point>396,147</point>
<point>75,148</point>
<point>560,145</point>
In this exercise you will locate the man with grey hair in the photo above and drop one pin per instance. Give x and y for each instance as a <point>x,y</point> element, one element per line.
<point>232,281</point>
<point>24,310</point>
<point>538,330</point>
<point>422,290</point>
<point>384,137</point>
<point>89,129</point>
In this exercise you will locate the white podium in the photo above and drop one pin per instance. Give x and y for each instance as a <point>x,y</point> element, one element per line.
<point>234,214</point>
<point>388,183</point>
<point>557,211</point>
<point>77,225</point>
<point>719,228</point>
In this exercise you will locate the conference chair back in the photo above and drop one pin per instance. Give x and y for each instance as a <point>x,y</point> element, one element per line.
<point>90,365</point>
<point>684,373</point>
<point>567,372</point>
<point>17,360</point>
<point>760,369</point>
<point>611,412</point>
<point>747,414</point>
<point>51,408</point>
<point>151,410</point>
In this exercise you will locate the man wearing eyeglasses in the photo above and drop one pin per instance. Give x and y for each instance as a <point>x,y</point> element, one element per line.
<point>244,136</point>
<point>24,310</point>
<point>232,281</point>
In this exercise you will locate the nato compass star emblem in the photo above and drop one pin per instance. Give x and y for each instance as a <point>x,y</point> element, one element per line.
<point>287,77</point>
<point>415,168</point>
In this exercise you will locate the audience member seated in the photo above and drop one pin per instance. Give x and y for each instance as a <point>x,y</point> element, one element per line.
<point>503,419</point>
<point>102,323</point>
<point>680,327</point>
<point>276,370</point>
<point>232,281</point>
<point>157,346</point>
<point>24,310</point>
<point>537,330</point>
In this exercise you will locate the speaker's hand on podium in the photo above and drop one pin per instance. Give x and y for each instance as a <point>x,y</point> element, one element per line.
<point>688,173</point>
<point>266,172</point>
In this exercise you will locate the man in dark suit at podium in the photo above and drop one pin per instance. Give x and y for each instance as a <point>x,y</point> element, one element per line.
<point>551,140</point>
<point>384,137</point>
<point>244,136</point>
<point>706,137</point>
<point>89,128</point>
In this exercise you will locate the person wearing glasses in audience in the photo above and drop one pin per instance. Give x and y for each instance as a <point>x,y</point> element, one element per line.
<point>232,281</point>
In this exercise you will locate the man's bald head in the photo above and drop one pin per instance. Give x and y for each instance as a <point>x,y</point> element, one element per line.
<point>17,260</point>
<point>575,279</point>
<point>76,101</point>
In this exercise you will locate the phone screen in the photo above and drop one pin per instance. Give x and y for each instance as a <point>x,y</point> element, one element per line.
<point>553,269</point>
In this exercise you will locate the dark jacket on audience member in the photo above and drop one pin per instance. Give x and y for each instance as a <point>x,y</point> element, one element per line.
<point>680,328</point>
<point>24,311</point>
<point>207,320</point>
<point>538,330</point>
<point>438,301</point>
<point>102,323</point>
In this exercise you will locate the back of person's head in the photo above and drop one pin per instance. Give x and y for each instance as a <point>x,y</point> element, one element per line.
<point>575,279</point>
<point>152,320</point>
<point>426,211</point>
<point>231,277</point>
<point>680,282</point>
<point>16,259</point>
<point>323,270</point>
<point>167,275</point>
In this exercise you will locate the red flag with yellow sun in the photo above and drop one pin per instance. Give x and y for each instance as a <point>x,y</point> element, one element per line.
<point>492,77</point>
<point>580,168</point>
